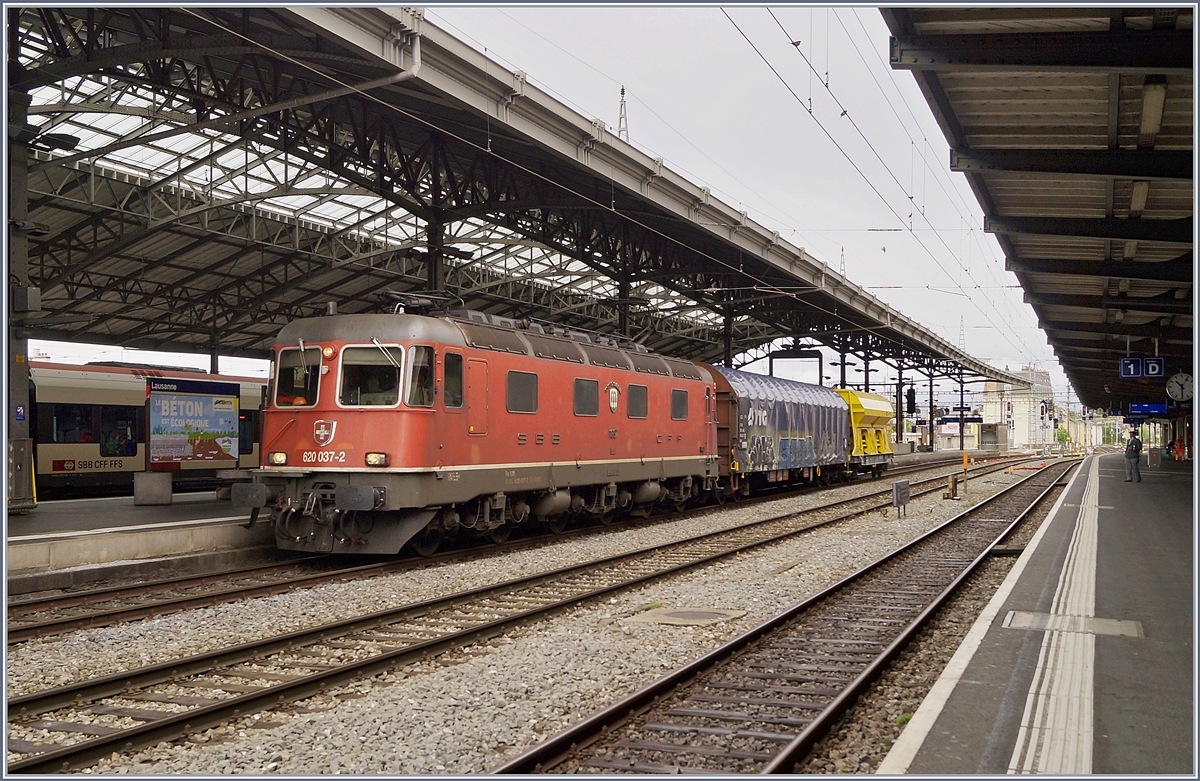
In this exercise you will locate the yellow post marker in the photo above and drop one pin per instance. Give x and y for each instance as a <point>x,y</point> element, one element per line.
<point>964,460</point>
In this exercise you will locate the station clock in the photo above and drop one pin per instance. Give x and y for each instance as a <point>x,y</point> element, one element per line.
<point>1179,387</point>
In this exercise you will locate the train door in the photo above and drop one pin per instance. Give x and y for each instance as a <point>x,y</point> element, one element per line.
<point>727,428</point>
<point>477,396</point>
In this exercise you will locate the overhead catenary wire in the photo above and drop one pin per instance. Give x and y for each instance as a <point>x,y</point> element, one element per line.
<point>778,217</point>
<point>633,220</point>
<point>844,112</point>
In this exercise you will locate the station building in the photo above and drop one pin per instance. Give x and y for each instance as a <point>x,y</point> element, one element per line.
<point>1028,413</point>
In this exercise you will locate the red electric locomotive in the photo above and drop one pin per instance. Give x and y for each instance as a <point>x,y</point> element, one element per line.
<point>386,429</point>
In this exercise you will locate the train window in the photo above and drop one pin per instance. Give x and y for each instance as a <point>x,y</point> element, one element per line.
<point>587,397</point>
<point>370,376</point>
<point>299,374</point>
<point>452,386</point>
<point>522,392</point>
<point>73,423</point>
<point>119,430</point>
<point>637,405</point>
<point>679,405</point>
<point>420,377</point>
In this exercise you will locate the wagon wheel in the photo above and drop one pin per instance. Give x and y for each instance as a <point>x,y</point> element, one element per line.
<point>557,524</point>
<point>717,495</point>
<point>607,519</point>
<point>427,540</point>
<point>500,533</point>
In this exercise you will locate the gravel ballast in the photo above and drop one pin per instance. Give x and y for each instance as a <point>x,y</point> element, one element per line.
<point>468,711</point>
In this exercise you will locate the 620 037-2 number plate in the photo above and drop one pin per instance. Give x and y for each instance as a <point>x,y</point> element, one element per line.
<point>323,457</point>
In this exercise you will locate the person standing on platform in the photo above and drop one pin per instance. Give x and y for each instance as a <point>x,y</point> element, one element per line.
<point>1133,454</point>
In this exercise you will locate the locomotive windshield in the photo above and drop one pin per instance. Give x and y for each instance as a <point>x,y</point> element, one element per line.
<point>297,378</point>
<point>371,376</point>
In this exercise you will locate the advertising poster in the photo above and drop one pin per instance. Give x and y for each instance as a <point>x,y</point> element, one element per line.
<point>192,420</point>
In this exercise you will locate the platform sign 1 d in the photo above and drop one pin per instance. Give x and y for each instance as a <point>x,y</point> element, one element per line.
<point>1131,368</point>
<point>1152,367</point>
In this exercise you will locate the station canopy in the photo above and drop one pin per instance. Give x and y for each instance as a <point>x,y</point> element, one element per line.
<point>198,177</point>
<point>1075,128</point>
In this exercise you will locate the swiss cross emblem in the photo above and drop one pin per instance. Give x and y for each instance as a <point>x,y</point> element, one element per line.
<point>323,431</point>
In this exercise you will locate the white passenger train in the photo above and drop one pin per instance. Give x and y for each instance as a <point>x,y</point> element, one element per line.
<point>89,426</point>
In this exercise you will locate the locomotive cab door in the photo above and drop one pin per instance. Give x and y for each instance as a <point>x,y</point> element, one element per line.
<point>477,397</point>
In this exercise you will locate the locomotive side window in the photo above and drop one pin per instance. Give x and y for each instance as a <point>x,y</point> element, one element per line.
<point>522,393</point>
<point>370,376</point>
<point>638,404</point>
<point>299,374</point>
<point>420,377</point>
<point>679,405</point>
<point>452,387</point>
<point>73,423</point>
<point>119,430</point>
<point>587,397</point>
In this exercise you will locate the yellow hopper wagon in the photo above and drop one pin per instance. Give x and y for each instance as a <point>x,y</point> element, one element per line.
<point>870,424</point>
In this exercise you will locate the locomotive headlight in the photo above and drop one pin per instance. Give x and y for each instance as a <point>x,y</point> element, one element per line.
<point>327,351</point>
<point>277,458</point>
<point>377,459</point>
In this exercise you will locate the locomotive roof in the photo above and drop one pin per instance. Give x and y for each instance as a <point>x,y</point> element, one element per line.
<point>502,338</point>
<point>360,328</point>
<point>766,388</point>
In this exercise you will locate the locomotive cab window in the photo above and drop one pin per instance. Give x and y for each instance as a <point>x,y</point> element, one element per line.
<point>298,377</point>
<point>420,377</point>
<point>370,376</point>
<point>452,385</point>
<point>679,405</point>
<point>522,395</point>
<point>637,405</point>
<point>587,397</point>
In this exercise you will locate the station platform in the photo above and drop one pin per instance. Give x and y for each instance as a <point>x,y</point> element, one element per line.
<point>1083,662</point>
<point>60,543</point>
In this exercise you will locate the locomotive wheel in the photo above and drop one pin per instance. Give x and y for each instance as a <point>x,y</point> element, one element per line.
<point>557,524</point>
<point>607,519</point>
<point>717,496</point>
<point>427,540</point>
<point>500,533</point>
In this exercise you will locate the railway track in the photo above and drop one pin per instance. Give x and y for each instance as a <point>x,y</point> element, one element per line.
<point>137,708</point>
<point>43,617</point>
<point>761,702</point>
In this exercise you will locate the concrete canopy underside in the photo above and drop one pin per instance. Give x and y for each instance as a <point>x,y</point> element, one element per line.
<point>238,168</point>
<point>1074,127</point>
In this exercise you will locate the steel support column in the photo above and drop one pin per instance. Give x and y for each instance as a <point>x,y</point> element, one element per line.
<point>435,274</point>
<point>19,444</point>
<point>931,411</point>
<point>962,413</point>
<point>729,338</point>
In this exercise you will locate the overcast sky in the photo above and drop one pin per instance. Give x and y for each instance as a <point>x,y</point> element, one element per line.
<point>723,96</point>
